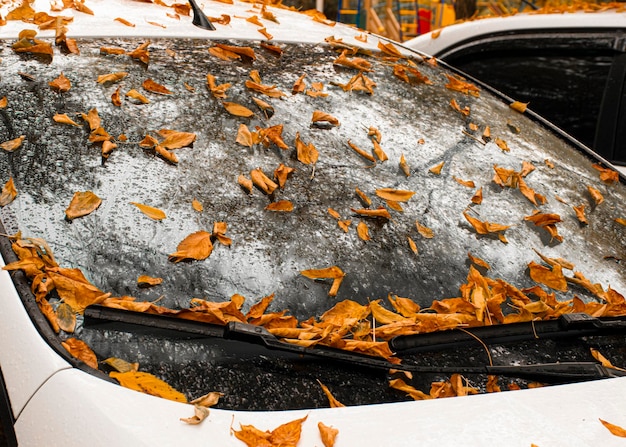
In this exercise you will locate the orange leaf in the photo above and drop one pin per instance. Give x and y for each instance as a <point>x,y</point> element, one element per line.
<point>82,204</point>
<point>306,153</point>
<point>334,403</point>
<point>245,183</point>
<point>299,86</point>
<point>60,84</point>
<point>200,413</point>
<point>196,246</point>
<point>13,144</point>
<point>244,136</point>
<point>134,94</point>
<point>112,77</point>
<point>389,49</point>
<point>404,166</point>
<point>397,195</point>
<point>614,429</point>
<point>262,181</point>
<point>80,350</point>
<point>484,227</point>
<point>319,116</point>
<point>165,154</point>
<point>399,384</point>
<point>124,22</point>
<point>151,212</point>
<point>9,193</point>
<point>580,214</point>
<point>437,168</point>
<point>281,205</point>
<point>154,87</point>
<point>424,231</point>
<point>606,175</point>
<point>412,245</point>
<point>477,198</point>
<point>3,102</point>
<point>477,261</point>
<point>362,231</point>
<point>328,434</point>
<point>176,140</point>
<point>518,106</point>
<point>149,384</point>
<point>237,109</point>
<point>366,200</point>
<point>243,51</point>
<point>361,152</point>
<point>281,173</point>
<point>379,212</point>
<point>64,119</point>
<point>197,205</point>
<point>460,85</point>
<point>66,318</point>
<point>148,281</point>
<point>595,195</point>
<point>552,278</point>
<point>468,183</point>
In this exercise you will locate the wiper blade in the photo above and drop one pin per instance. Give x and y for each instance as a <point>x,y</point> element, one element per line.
<point>566,326</point>
<point>131,321</point>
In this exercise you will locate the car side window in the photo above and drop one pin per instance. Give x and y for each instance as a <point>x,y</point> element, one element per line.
<point>563,78</point>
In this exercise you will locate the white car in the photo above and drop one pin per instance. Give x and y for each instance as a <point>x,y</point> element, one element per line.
<point>569,67</point>
<point>158,173</point>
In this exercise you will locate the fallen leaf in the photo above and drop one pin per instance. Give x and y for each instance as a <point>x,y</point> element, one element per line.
<point>286,435</point>
<point>196,205</point>
<point>66,318</point>
<point>552,278</point>
<point>412,245</point>
<point>519,106</point>
<point>437,168</point>
<point>199,414</point>
<point>397,195</point>
<point>363,197</point>
<point>467,183</point>
<point>144,281</point>
<point>328,434</point>
<point>362,231</point>
<point>237,109</point>
<point>596,195</point>
<point>208,400</point>
<point>460,85</point>
<point>606,175</point>
<point>134,94</point>
<point>262,181</point>
<point>196,246</point>
<point>319,116</point>
<point>334,403</point>
<point>80,350</point>
<point>401,385</point>
<point>3,102</point>
<point>479,262</point>
<point>124,22</point>
<point>245,183</point>
<point>484,227</point>
<point>580,214</point>
<point>424,231</point>
<point>361,152</point>
<point>149,384</point>
<point>281,173</point>
<point>614,429</point>
<point>299,86</point>
<point>112,77</point>
<point>379,212</point>
<point>306,153</point>
<point>334,273</point>
<point>82,204</point>
<point>9,193</point>
<point>404,166</point>
<point>121,365</point>
<point>155,87</point>
<point>13,144</point>
<point>477,198</point>
<point>64,119</point>
<point>175,139</point>
<point>61,84</point>
<point>281,205</point>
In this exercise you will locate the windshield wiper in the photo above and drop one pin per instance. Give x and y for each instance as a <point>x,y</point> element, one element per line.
<point>130,321</point>
<point>199,18</point>
<point>566,326</point>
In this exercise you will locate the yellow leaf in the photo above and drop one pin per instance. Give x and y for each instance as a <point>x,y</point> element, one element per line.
<point>82,204</point>
<point>151,212</point>
<point>149,384</point>
<point>80,350</point>
<point>196,246</point>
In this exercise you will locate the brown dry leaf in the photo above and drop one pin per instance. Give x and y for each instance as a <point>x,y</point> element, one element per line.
<point>272,134</point>
<point>61,84</point>
<point>412,245</point>
<point>614,429</point>
<point>334,213</point>
<point>334,273</point>
<point>13,144</point>
<point>112,50</point>
<point>306,153</point>
<point>552,278</point>
<point>467,183</point>
<point>299,86</point>
<point>80,350</point>
<point>437,168</point>
<point>502,145</point>
<point>9,193</point>
<point>74,289</point>
<point>361,152</point>
<point>460,85</point>
<point>144,281</point>
<point>319,116</point>
<point>477,198</point>
<point>548,222</point>
<point>121,365</point>
<point>237,109</point>
<point>196,205</point>
<point>519,106</point>
<point>606,175</point>
<point>112,77</point>
<point>219,232</point>
<point>620,220</point>
<point>141,53</point>
<point>134,94</point>
<point>149,384</point>
<point>64,119</point>
<point>244,136</point>
<point>603,360</point>
<point>151,212</point>
<point>344,225</point>
<point>262,181</point>
<point>424,231</point>
<point>255,20</point>
<point>477,261</point>
<point>281,205</point>
<point>268,90</point>
<point>242,51</point>
<point>245,183</point>
<point>3,102</point>
<point>266,108</point>
<point>397,195</point>
<point>334,403</point>
<point>580,214</point>
<point>363,197</point>
<point>196,246</point>
<point>357,63</point>
<point>82,204</point>
<point>596,195</point>
<point>281,173</point>
<point>199,414</point>
<point>66,318</point>
<point>286,435</point>
<point>484,227</point>
<point>124,22</point>
<point>175,139</point>
<point>378,151</point>
<point>362,231</point>
<point>404,166</point>
<point>399,384</point>
<point>379,212</point>
<point>328,434</point>
<point>223,54</point>
<point>92,118</point>
<point>155,87</point>
<point>267,35</point>
<point>389,49</point>
<point>208,400</point>
<point>218,91</point>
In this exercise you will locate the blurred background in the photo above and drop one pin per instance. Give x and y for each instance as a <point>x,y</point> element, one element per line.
<point>404,19</point>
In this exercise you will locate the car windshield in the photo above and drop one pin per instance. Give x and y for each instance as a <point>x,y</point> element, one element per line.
<point>307,174</point>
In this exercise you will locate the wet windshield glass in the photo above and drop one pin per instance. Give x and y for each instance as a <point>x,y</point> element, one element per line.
<point>418,238</point>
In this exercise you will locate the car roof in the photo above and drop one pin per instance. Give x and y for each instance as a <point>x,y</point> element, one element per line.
<point>438,41</point>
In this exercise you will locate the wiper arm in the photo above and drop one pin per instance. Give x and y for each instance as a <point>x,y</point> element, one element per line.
<point>199,18</point>
<point>130,321</point>
<point>566,326</point>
